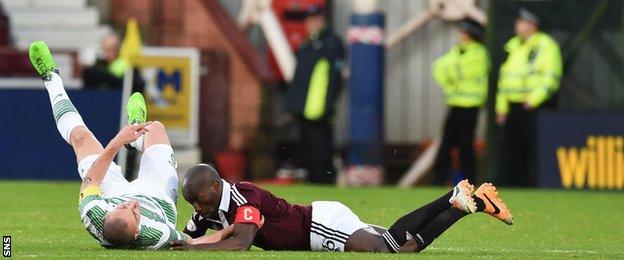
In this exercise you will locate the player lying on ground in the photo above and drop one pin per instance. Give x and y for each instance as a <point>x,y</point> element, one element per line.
<point>322,226</point>
<point>140,214</point>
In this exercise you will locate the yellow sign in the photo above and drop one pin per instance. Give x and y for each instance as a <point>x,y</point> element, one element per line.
<point>167,89</point>
<point>599,165</point>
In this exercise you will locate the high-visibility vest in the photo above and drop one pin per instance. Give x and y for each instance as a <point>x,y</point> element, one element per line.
<point>316,99</point>
<point>463,74</point>
<point>317,81</point>
<point>531,72</point>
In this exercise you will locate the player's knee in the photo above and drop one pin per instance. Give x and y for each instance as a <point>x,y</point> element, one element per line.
<point>365,240</point>
<point>156,126</point>
<point>79,136</point>
<point>156,134</point>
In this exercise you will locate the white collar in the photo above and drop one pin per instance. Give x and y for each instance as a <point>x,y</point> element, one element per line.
<point>225,196</point>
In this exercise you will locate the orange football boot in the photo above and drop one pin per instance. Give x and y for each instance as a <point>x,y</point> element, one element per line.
<point>493,204</point>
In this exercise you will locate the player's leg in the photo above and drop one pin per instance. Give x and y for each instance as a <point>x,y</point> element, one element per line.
<point>335,227</point>
<point>368,239</point>
<point>434,229</point>
<point>87,149</point>
<point>84,143</point>
<point>487,200</point>
<point>68,121</point>
<point>157,172</point>
<point>409,226</point>
<point>65,114</point>
<point>332,226</point>
<point>399,237</point>
<point>364,240</point>
<point>403,237</point>
<point>156,134</point>
<point>417,229</point>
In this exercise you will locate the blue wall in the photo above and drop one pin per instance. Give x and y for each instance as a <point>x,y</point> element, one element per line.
<point>30,145</point>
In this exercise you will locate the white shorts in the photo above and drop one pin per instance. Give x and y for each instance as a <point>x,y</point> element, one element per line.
<point>157,174</point>
<point>332,224</point>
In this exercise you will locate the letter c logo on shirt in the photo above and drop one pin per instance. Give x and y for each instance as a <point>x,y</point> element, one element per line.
<point>248,215</point>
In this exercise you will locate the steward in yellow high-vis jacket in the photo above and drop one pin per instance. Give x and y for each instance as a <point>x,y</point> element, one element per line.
<point>528,78</point>
<point>463,75</point>
<point>313,92</point>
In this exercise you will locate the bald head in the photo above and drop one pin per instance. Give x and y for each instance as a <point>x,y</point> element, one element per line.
<point>121,226</point>
<point>198,176</point>
<point>118,228</point>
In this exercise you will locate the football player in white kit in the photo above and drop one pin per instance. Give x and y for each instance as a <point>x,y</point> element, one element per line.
<point>119,214</point>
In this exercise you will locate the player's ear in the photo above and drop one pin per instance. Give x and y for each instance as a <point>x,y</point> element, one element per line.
<point>216,187</point>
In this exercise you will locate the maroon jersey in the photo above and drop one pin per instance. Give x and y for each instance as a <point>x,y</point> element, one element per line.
<point>286,226</point>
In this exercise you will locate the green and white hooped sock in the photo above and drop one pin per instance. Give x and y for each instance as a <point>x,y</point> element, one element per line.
<point>65,114</point>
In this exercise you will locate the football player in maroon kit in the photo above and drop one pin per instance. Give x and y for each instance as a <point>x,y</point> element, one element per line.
<point>248,215</point>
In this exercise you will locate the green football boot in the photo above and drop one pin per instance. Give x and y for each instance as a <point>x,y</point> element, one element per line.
<point>137,112</point>
<point>136,109</point>
<point>42,60</point>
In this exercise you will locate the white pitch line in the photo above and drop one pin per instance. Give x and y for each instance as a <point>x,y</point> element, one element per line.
<point>552,251</point>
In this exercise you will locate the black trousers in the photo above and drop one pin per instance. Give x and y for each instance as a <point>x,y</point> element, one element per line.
<point>459,131</point>
<point>519,146</point>
<point>316,149</point>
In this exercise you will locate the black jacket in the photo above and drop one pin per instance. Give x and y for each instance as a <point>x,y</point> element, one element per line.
<point>98,77</point>
<point>326,45</point>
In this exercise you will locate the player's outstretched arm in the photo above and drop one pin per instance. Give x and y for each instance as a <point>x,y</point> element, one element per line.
<point>241,239</point>
<point>215,237</point>
<point>97,172</point>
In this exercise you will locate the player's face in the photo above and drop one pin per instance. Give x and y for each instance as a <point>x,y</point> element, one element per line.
<point>205,202</point>
<point>130,211</point>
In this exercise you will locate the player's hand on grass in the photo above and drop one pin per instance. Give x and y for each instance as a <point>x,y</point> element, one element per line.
<point>130,133</point>
<point>181,245</point>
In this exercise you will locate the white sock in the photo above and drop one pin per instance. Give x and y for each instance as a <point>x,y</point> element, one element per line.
<point>138,143</point>
<point>63,110</point>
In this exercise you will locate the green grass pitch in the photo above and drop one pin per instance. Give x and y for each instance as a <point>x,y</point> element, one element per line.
<point>42,218</point>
